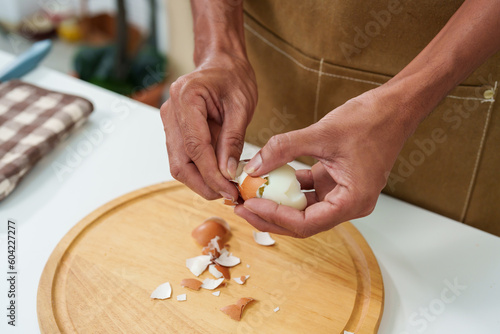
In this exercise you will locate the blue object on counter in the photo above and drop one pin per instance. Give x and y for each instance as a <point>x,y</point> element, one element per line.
<point>26,62</point>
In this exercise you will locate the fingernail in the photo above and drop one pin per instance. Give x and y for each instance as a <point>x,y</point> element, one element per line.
<point>227,196</point>
<point>232,165</point>
<point>254,164</point>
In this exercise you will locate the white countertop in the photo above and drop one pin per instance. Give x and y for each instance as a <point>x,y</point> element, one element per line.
<point>420,253</point>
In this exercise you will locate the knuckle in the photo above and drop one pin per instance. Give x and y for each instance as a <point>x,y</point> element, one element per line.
<point>193,148</point>
<point>184,88</point>
<point>235,139</point>
<point>177,172</point>
<point>242,100</point>
<point>278,143</point>
<point>176,87</point>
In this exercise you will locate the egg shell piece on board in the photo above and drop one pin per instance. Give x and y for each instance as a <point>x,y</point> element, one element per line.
<point>211,284</point>
<point>198,264</point>
<point>163,291</point>
<point>263,238</point>
<point>211,228</point>
<point>235,310</point>
<point>227,259</point>
<point>191,283</point>
<point>241,280</point>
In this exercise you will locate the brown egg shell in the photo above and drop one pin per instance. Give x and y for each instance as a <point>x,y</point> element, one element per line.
<point>235,311</point>
<point>249,187</point>
<point>208,250</point>
<point>209,229</point>
<point>223,270</point>
<point>191,283</point>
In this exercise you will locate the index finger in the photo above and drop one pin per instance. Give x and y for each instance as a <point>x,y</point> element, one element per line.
<point>181,166</point>
<point>198,146</point>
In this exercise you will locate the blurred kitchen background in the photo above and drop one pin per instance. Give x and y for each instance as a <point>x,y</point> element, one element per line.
<point>133,47</point>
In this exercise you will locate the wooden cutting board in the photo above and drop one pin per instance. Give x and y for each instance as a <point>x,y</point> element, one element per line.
<point>100,276</point>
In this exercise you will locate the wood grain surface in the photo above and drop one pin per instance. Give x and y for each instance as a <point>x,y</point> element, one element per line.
<point>101,274</point>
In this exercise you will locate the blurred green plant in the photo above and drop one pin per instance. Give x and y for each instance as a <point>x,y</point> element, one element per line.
<point>113,68</point>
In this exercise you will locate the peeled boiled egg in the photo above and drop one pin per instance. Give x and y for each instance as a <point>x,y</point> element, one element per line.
<point>280,185</point>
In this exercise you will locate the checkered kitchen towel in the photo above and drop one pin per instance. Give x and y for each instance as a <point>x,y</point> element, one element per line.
<point>32,121</point>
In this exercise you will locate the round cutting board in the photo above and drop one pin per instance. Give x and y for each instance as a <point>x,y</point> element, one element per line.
<point>100,276</point>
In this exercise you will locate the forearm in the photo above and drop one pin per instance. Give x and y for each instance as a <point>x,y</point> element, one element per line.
<point>218,28</point>
<point>466,41</point>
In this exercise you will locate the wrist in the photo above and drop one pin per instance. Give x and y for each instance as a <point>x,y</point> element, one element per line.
<point>417,90</point>
<point>215,56</point>
<point>218,47</point>
<point>218,30</point>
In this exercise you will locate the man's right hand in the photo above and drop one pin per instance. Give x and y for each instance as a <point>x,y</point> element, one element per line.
<point>205,120</point>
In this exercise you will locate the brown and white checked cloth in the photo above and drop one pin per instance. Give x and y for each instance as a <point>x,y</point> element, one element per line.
<point>32,121</point>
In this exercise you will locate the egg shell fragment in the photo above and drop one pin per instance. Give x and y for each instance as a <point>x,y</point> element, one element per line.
<point>198,264</point>
<point>214,271</point>
<point>219,271</point>
<point>191,283</point>
<point>236,310</point>
<point>211,284</point>
<point>224,270</point>
<point>241,280</point>
<point>163,291</point>
<point>250,186</point>
<point>209,229</point>
<point>263,238</point>
<point>226,259</point>
<point>182,298</point>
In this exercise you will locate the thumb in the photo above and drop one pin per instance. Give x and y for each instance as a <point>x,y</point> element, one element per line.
<point>283,148</point>
<point>230,143</point>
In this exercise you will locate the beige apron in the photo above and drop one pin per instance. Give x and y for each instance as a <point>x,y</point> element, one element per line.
<point>310,56</point>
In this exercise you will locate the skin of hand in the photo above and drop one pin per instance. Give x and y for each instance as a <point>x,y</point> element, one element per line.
<point>357,143</point>
<point>206,116</point>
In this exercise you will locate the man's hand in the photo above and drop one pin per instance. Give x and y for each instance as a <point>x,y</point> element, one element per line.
<point>356,146</point>
<point>205,121</point>
<point>357,143</point>
<point>206,117</point>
